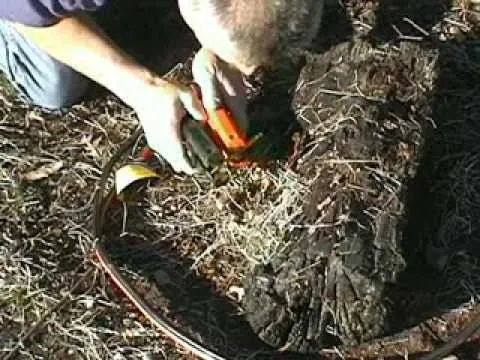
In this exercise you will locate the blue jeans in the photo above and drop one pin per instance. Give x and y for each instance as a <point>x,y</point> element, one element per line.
<point>41,79</point>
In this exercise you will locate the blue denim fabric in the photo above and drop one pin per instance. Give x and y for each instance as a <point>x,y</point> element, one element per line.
<point>39,78</point>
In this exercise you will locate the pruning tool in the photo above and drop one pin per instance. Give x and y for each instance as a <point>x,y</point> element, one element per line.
<point>217,139</point>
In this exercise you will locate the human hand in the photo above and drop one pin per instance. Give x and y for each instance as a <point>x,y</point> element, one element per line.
<point>161,107</point>
<point>221,84</point>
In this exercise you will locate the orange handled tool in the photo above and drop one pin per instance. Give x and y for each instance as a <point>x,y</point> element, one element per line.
<point>227,133</point>
<point>230,136</point>
<point>216,139</point>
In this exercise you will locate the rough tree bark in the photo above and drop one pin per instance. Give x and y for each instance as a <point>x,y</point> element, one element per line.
<point>366,113</point>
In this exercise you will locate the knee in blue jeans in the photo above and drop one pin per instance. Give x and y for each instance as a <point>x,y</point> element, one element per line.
<point>39,77</point>
<point>59,89</point>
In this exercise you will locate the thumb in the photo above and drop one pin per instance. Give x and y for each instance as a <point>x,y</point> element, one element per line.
<point>235,96</point>
<point>204,74</point>
<point>192,104</point>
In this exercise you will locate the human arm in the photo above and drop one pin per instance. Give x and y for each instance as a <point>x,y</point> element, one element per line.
<point>160,105</point>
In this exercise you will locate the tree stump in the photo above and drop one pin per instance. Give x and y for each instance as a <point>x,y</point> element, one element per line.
<point>366,114</point>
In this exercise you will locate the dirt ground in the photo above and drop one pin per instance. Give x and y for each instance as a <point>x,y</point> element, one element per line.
<point>374,177</point>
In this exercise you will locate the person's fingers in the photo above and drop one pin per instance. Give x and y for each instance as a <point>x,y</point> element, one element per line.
<point>166,141</point>
<point>220,84</point>
<point>192,104</point>
<point>182,165</point>
<point>173,153</point>
<point>204,74</point>
<point>235,97</point>
<point>234,94</point>
<point>239,109</point>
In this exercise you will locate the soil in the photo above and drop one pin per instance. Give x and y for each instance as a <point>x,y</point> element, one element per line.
<point>358,240</point>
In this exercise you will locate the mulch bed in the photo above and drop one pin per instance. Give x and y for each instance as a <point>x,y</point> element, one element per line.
<point>363,225</point>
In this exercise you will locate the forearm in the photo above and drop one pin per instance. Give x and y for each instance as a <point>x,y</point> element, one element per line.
<point>79,43</point>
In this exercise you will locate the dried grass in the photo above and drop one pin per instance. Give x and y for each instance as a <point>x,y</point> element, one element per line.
<point>45,243</point>
<point>246,218</point>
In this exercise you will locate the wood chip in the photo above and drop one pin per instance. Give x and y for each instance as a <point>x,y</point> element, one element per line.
<point>43,171</point>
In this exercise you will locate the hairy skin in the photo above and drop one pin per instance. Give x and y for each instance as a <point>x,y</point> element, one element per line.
<point>261,31</point>
<point>79,43</point>
<point>92,54</point>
